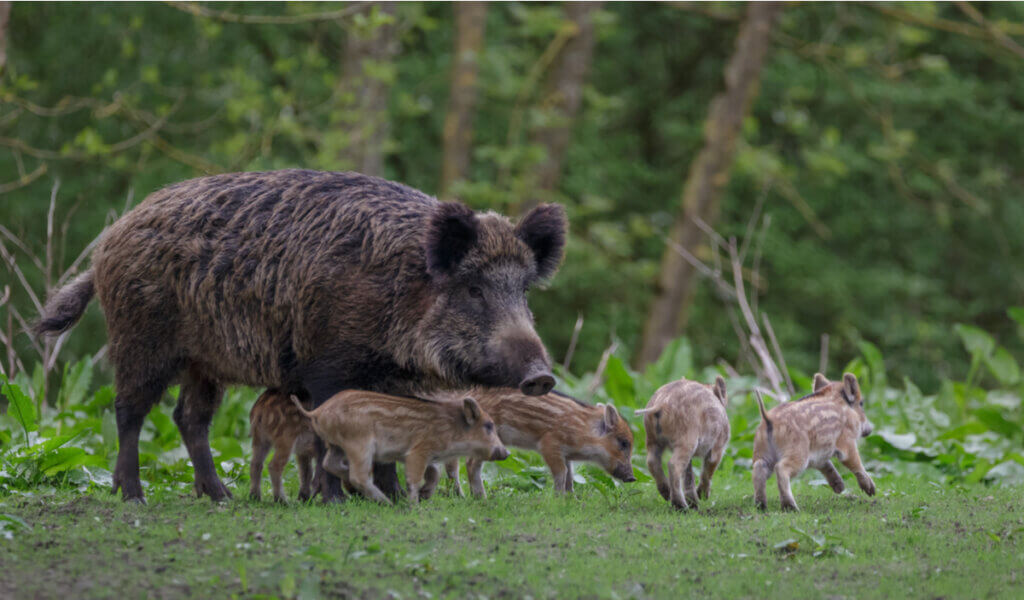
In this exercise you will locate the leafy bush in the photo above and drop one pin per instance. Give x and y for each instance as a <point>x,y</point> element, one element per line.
<point>964,433</point>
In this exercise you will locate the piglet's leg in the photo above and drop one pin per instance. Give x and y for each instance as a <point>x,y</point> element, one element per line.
<point>708,470</point>
<point>783,471</point>
<point>474,467</point>
<point>851,461</point>
<point>305,464</point>
<point>761,472</point>
<point>451,469</point>
<point>568,476</point>
<point>260,449</point>
<point>360,471</point>
<point>430,479</point>
<point>678,465</point>
<point>415,471</point>
<point>552,455</point>
<point>282,452</point>
<point>654,452</point>
<point>835,481</point>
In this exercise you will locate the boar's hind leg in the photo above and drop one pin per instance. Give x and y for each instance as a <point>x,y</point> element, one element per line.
<point>835,481</point>
<point>135,398</point>
<point>761,472</point>
<point>198,400</point>
<point>680,476</point>
<point>783,472</point>
<point>304,462</point>
<point>360,464</point>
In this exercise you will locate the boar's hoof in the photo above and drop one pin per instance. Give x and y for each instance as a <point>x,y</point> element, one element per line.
<point>303,497</point>
<point>537,385</point>
<point>761,506</point>
<point>212,488</point>
<point>787,507</point>
<point>663,490</point>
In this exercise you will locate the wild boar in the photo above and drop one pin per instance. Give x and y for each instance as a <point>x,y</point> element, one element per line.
<point>560,427</point>
<point>308,282</point>
<point>807,433</point>
<point>275,423</point>
<point>689,420</point>
<point>361,428</point>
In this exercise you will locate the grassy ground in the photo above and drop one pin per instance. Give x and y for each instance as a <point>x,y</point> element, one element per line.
<point>914,539</point>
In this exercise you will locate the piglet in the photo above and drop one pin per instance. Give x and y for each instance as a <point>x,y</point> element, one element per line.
<point>807,433</point>
<point>361,428</point>
<point>275,423</point>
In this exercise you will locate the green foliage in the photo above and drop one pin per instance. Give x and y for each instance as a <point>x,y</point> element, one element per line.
<point>891,148</point>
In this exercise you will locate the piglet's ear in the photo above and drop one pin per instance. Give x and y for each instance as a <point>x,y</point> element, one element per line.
<point>611,416</point>
<point>543,230</point>
<point>451,233</point>
<point>720,390</point>
<point>851,389</point>
<point>470,411</point>
<point>819,381</point>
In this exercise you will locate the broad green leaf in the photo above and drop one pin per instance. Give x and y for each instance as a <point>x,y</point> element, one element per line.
<point>900,441</point>
<point>1017,314</point>
<point>977,341</point>
<point>995,421</point>
<point>75,383</point>
<point>1002,364</point>
<point>959,433</point>
<point>873,358</point>
<point>619,383</point>
<point>676,361</point>
<point>19,406</point>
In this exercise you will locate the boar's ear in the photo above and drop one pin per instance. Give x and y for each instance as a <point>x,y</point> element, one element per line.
<point>611,417</point>
<point>851,389</point>
<point>470,411</point>
<point>543,230</point>
<point>819,381</point>
<point>451,232</point>
<point>720,390</point>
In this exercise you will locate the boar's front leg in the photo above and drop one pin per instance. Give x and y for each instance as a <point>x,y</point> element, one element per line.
<point>835,481</point>
<point>851,460</point>
<point>197,401</point>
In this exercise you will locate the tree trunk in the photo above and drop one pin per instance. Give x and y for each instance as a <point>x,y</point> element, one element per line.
<point>708,177</point>
<point>365,87</point>
<point>563,93</point>
<point>5,15</point>
<point>470,23</point>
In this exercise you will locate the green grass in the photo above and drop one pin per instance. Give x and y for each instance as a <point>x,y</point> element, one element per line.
<point>914,539</point>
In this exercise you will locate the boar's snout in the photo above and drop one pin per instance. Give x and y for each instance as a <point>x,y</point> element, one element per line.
<point>624,472</point>
<point>866,428</point>
<point>538,381</point>
<point>499,453</point>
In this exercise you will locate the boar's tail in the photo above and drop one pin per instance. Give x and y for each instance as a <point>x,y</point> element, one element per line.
<point>302,409</point>
<point>66,306</point>
<point>764,414</point>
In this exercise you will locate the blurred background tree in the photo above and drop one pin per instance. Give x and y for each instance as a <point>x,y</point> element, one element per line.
<point>883,149</point>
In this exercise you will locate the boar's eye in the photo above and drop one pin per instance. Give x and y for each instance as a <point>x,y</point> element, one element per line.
<point>475,292</point>
<point>489,427</point>
<point>624,444</point>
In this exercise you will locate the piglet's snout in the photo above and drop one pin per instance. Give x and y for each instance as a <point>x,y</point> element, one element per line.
<point>624,472</point>
<point>499,453</point>
<point>866,428</point>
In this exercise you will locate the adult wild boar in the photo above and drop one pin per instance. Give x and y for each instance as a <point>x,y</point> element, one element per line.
<point>309,282</point>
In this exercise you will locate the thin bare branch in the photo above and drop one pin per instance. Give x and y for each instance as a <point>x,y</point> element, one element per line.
<point>572,342</point>
<point>21,246</point>
<point>24,180</point>
<point>13,266</point>
<point>755,217</point>
<point>228,17</point>
<point>778,353</point>
<point>823,354</point>
<point>601,366</point>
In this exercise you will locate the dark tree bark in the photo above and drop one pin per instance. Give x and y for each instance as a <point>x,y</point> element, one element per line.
<point>708,176</point>
<point>5,15</point>
<point>364,95</point>
<point>470,24</point>
<point>563,92</point>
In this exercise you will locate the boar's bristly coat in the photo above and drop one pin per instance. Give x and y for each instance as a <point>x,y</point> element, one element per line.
<point>311,283</point>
